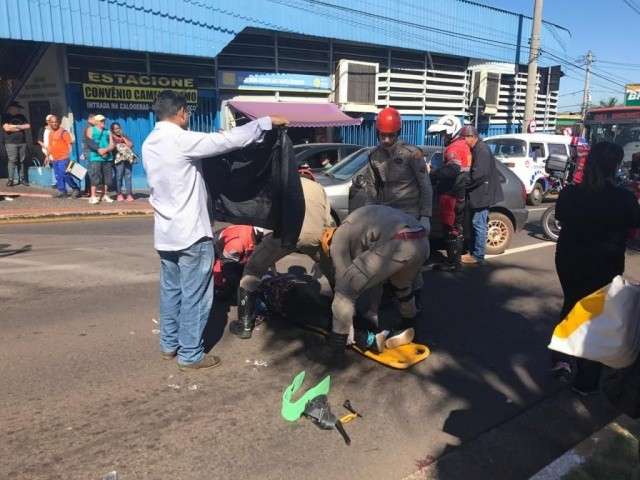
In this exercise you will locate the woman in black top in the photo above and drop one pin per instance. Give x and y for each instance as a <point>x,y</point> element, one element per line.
<point>596,217</point>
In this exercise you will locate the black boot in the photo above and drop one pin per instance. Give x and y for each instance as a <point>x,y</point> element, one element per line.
<point>331,352</point>
<point>246,312</point>
<point>454,247</point>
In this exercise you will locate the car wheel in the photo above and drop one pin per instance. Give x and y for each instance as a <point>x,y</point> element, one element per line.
<point>536,196</point>
<point>499,233</point>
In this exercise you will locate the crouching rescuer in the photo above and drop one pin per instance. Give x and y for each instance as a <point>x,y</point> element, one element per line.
<point>375,244</point>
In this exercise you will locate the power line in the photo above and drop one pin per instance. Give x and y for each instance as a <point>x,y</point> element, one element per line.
<point>621,64</point>
<point>632,6</point>
<point>580,67</point>
<point>570,93</point>
<point>410,24</point>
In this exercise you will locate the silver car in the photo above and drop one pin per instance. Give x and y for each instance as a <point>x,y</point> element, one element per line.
<point>338,179</point>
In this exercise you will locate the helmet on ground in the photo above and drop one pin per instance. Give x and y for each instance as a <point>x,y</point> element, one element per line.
<point>388,121</point>
<point>325,243</point>
<point>449,124</point>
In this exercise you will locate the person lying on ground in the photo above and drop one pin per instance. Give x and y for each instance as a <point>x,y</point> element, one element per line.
<point>317,217</point>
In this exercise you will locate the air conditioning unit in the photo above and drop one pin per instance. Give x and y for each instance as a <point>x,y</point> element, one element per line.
<point>356,86</point>
<point>486,85</point>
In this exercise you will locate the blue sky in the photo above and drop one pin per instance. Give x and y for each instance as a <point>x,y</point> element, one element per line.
<point>607,27</point>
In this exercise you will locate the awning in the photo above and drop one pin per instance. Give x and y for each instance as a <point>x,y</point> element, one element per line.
<point>299,114</point>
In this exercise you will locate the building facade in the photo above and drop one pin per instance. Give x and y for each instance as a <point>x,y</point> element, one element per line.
<point>427,59</point>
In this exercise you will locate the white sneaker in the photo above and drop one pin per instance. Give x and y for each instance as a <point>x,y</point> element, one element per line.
<point>94,200</point>
<point>398,338</point>
<point>107,199</point>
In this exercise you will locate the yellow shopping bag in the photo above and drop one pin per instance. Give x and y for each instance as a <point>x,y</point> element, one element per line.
<point>586,309</point>
<point>603,327</point>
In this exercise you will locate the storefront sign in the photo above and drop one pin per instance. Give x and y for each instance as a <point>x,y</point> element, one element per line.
<point>242,80</point>
<point>632,95</point>
<point>127,91</point>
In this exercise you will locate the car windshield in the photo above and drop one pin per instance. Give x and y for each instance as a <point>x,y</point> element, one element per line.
<point>351,165</point>
<point>507,147</point>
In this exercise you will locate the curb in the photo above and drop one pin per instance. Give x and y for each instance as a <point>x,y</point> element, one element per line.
<point>26,195</point>
<point>523,444</point>
<point>583,451</point>
<point>80,215</point>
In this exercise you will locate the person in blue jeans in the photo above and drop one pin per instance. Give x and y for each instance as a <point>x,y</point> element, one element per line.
<point>182,227</point>
<point>483,190</point>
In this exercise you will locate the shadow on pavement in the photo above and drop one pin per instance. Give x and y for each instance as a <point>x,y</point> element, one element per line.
<point>487,327</point>
<point>5,251</point>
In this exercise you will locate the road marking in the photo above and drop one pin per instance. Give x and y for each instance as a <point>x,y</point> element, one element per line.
<point>541,209</point>
<point>511,251</point>
<point>524,248</point>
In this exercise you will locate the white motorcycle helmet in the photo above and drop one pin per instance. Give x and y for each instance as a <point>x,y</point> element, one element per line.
<point>448,124</point>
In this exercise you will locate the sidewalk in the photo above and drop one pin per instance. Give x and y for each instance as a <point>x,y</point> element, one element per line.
<point>611,452</point>
<point>31,203</point>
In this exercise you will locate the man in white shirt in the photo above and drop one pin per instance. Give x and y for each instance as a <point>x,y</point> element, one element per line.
<point>182,229</point>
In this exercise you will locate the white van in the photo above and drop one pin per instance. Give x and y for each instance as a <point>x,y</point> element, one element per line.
<point>526,154</point>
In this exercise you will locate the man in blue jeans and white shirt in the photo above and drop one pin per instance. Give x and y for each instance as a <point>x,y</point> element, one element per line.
<point>483,190</point>
<point>171,155</point>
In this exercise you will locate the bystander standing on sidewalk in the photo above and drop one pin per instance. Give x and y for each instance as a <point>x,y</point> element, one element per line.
<point>483,189</point>
<point>15,127</point>
<point>182,228</point>
<point>43,141</point>
<point>123,158</point>
<point>100,160</point>
<point>84,156</point>
<point>59,143</point>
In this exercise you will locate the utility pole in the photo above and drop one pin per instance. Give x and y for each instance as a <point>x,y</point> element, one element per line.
<point>587,78</point>
<point>532,73</point>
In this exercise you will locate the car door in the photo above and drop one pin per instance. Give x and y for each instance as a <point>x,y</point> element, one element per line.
<point>346,150</point>
<point>320,158</point>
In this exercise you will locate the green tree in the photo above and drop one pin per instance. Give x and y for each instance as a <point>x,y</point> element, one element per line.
<point>609,102</point>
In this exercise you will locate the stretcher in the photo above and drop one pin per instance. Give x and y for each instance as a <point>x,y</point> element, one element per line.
<point>400,358</point>
<point>316,312</point>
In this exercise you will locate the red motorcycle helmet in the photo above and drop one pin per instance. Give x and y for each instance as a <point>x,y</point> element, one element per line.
<point>388,121</point>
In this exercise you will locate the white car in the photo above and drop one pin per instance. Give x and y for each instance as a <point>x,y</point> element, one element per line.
<point>526,154</point>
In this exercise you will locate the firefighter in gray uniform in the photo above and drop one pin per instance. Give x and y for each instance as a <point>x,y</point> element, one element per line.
<point>317,217</point>
<point>397,176</point>
<point>375,244</point>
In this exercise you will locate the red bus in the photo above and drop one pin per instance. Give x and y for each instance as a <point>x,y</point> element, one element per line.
<point>620,125</point>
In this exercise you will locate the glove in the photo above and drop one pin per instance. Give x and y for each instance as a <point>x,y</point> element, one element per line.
<point>426,223</point>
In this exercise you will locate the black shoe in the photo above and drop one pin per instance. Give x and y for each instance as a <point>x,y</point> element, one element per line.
<point>246,313</point>
<point>10,183</point>
<point>331,352</point>
<point>585,392</point>
<point>561,371</point>
<point>75,193</point>
<point>446,267</point>
<point>25,183</point>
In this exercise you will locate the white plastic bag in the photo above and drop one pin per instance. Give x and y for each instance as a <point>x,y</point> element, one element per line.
<point>604,326</point>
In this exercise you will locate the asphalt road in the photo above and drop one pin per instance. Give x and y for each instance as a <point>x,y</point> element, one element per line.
<point>85,392</point>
